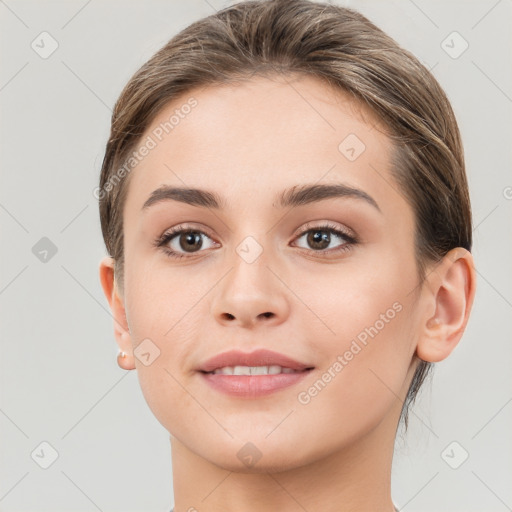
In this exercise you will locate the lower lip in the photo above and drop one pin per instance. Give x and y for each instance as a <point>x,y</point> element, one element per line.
<point>252,386</point>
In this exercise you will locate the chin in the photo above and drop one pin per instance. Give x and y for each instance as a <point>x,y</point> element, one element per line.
<point>273,464</point>
<point>257,456</point>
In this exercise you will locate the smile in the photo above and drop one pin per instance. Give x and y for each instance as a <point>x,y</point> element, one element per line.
<point>253,370</point>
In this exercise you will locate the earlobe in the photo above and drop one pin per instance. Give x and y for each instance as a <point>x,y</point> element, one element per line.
<point>452,287</point>
<point>125,360</point>
<point>121,329</point>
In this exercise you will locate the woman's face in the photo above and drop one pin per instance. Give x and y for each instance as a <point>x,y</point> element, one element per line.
<point>326,277</point>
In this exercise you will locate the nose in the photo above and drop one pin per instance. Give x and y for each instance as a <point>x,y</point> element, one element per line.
<point>251,294</point>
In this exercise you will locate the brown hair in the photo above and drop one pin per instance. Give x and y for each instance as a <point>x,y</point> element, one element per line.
<point>347,51</point>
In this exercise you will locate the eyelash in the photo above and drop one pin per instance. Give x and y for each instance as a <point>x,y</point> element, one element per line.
<point>350,240</point>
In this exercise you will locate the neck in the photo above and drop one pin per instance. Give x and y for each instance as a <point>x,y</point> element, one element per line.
<point>354,478</point>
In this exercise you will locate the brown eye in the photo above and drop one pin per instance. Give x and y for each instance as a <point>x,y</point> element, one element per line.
<point>189,241</point>
<point>327,240</point>
<point>182,241</point>
<point>318,239</point>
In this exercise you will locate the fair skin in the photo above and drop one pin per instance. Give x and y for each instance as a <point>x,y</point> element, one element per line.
<point>247,143</point>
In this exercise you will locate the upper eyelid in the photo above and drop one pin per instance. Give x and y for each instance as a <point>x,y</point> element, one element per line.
<point>327,226</point>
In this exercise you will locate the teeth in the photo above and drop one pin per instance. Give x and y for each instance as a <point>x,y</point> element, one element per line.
<point>241,370</point>
<point>253,370</point>
<point>274,370</point>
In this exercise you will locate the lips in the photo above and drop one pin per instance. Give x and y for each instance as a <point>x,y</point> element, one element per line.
<point>238,380</point>
<point>260,357</point>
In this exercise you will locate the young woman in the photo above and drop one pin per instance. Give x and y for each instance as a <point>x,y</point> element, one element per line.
<point>284,202</point>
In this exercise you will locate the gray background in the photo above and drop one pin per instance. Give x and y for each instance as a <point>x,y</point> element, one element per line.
<point>59,381</point>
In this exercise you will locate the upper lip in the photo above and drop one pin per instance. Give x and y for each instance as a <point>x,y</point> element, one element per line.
<point>260,357</point>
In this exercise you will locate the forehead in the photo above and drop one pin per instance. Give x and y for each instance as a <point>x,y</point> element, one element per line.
<point>262,134</point>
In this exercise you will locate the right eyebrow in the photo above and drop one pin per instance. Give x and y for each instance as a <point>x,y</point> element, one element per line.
<point>192,196</point>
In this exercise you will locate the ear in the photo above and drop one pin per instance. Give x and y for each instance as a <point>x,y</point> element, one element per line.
<point>451,289</point>
<point>116,303</point>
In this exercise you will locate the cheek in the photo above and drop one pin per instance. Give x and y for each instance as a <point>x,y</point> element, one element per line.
<point>164,317</point>
<point>160,302</point>
<point>356,300</point>
<point>361,333</point>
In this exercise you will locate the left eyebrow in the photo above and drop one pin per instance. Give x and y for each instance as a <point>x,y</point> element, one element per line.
<point>295,196</point>
<point>305,194</point>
